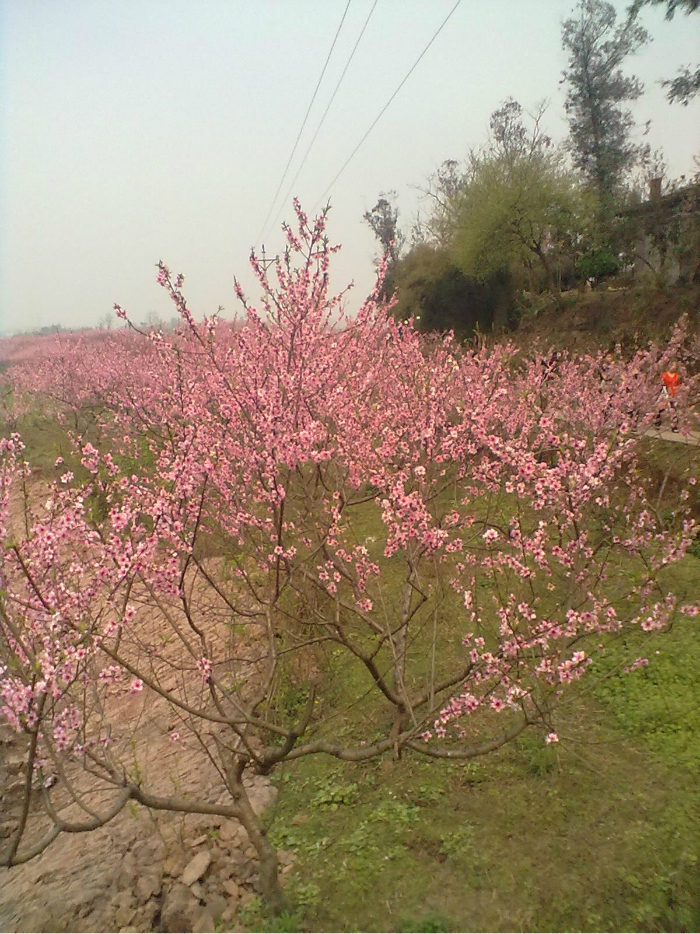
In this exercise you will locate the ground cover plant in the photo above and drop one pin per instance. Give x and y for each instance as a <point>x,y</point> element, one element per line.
<point>304,536</point>
<point>591,834</point>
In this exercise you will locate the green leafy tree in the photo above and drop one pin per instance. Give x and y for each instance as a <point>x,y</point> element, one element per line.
<point>516,199</point>
<point>383,220</point>
<point>438,295</point>
<point>600,126</point>
<point>684,86</point>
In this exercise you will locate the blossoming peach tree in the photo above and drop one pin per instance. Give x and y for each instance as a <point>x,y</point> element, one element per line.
<point>279,525</point>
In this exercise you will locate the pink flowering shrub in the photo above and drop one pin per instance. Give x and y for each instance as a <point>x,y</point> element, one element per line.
<point>301,495</point>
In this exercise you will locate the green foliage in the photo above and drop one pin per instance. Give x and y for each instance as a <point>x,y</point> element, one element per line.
<point>672,6</point>
<point>292,698</point>
<point>516,195</point>
<point>332,794</point>
<point>255,917</point>
<point>395,812</point>
<point>428,793</point>
<point>288,921</point>
<point>304,894</point>
<point>141,462</point>
<point>96,506</point>
<point>46,439</point>
<point>658,701</point>
<point>602,842</point>
<point>684,87</point>
<point>288,837</point>
<point>600,128</point>
<point>432,922</point>
<point>383,220</point>
<point>596,264</point>
<point>538,757</point>
<point>439,296</point>
<point>458,841</point>
<point>686,84</point>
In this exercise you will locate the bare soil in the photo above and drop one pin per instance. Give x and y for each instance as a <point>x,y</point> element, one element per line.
<point>614,313</point>
<point>143,871</point>
<point>128,875</point>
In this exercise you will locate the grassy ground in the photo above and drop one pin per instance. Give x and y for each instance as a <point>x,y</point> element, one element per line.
<point>631,315</point>
<point>598,833</point>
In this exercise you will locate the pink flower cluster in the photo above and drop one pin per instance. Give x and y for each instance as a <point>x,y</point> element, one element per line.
<point>286,437</point>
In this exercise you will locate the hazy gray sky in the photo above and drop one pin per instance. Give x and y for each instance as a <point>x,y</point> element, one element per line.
<point>140,130</point>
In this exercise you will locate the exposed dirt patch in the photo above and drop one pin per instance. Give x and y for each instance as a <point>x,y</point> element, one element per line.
<point>142,871</point>
<point>604,317</point>
<point>131,875</point>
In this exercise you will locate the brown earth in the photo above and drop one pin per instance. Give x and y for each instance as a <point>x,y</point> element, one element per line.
<point>615,313</point>
<point>143,871</point>
<point>140,872</point>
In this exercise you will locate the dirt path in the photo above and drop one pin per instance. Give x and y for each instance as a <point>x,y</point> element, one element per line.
<point>665,434</point>
<point>142,871</point>
<point>138,873</point>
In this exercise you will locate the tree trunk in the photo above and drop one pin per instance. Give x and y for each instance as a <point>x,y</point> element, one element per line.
<point>399,649</point>
<point>547,266</point>
<point>271,891</point>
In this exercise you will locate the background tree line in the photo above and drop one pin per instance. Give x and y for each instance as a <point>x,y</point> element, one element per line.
<point>521,214</point>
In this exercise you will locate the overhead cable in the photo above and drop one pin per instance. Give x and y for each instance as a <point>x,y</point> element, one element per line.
<point>325,112</point>
<point>386,106</point>
<point>306,117</point>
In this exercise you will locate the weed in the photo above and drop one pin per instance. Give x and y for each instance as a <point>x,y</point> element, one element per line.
<point>538,757</point>
<point>332,794</point>
<point>428,794</point>
<point>278,924</point>
<point>396,813</point>
<point>293,699</point>
<point>304,894</point>
<point>251,915</point>
<point>254,917</point>
<point>457,842</point>
<point>432,922</point>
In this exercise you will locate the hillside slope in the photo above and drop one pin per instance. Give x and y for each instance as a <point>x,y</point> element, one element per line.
<point>602,318</point>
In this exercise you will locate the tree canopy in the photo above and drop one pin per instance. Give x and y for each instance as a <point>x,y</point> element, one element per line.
<point>600,126</point>
<point>516,198</point>
<point>686,84</point>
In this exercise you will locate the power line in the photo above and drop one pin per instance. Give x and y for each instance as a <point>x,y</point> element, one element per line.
<point>306,117</point>
<point>386,106</point>
<point>325,112</point>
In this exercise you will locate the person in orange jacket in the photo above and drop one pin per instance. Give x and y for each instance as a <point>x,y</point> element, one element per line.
<point>672,381</point>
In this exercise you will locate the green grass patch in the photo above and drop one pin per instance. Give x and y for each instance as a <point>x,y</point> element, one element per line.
<point>588,836</point>
<point>599,832</point>
<point>659,702</point>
